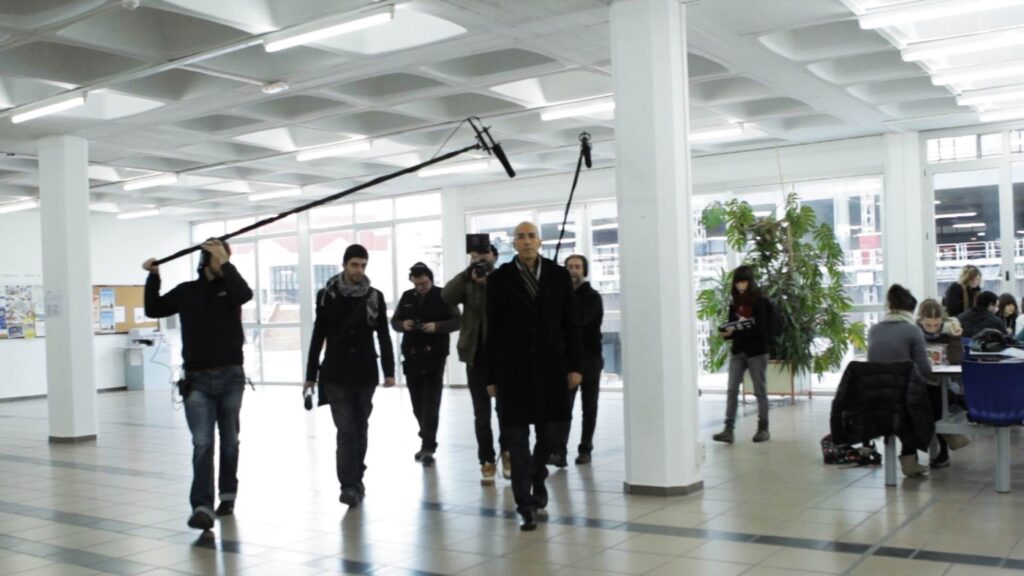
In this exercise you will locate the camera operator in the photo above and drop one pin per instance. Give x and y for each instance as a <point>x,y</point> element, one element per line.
<point>469,288</point>
<point>425,320</point>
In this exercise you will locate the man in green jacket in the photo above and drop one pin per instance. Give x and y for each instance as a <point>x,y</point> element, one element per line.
<point>469,288</point>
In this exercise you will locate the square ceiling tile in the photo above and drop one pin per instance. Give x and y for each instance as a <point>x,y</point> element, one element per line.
<point>724,90</point>
<point>151,33</point>
<point>902,90</point>
<point>256,62</point>
<point>766,108</point>
<point>15,91</point>
<point>698,66</point>
<point>288,139</point>
<point>292,108</point>
<point>825,41</point>
<point>238,173</point>
<point>367,123</point>
<point>558,87</point>
<point>409,29</point>
<point>214,123</point>
<point>868,68</point>
<point>385,86</point>
<point>225,151</point>
<point>26,14</point>
<point>458,106</point>
<point>490,63</point>
<point>63,63</point>
<point>107,105</point>
<point>157,163</point>
<point>176,85</point>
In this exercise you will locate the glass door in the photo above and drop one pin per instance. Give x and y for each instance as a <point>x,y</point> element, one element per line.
<point>967,227</point>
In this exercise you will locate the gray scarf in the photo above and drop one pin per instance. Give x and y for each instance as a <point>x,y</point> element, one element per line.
<point>339,287</point>
<point>900,316</point>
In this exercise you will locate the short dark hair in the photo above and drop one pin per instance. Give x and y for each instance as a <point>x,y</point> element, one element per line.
<point>986,299</point>
<point>419,270</point>
<point>494,251</point>
<point>581,258</point>
<point>355,251</point>
<point>899,298</point>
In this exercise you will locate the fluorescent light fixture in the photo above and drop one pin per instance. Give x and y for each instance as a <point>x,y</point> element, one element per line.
<point>460,168</point>
<point>929,11</point>
<point>981,234</point>
<point>18,206</point>
<point>585,109</point>
<point>956,215</point>
<point>341,149</point>
<point>716,238</point>
<point>1002,115</point>
<point>991,96</point>
<point>47,109</point>
<point>937,202</point>
<point>862,234</point>
<point>138,214</point>
<point>962,45</point>
<point>285,193</point>
<point>718,134</point>
<point>970,225</point>
<point>979,73</point>
<point>108,207</point>
<point>763,213</point>
<point>151,182</point>
<point>328,28</point>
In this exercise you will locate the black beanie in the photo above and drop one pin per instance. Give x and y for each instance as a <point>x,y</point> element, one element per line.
<point>354,251</point>
<point>421,269</point>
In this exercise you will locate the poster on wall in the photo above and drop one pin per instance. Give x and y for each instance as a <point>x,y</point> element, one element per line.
<point>3,314</point>
<point>20,313</point>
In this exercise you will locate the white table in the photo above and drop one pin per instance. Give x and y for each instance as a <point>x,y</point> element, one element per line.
<point>958,424</point>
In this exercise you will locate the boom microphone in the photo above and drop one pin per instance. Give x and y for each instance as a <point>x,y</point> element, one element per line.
<point>500,154</point>
<point>483,135</point>
<point>585,149</point>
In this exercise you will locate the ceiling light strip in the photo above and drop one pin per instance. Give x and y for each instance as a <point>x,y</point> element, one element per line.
<point>18,206</point>
<point>337,149</point>
<point>459,168</point>
<point>151,182</point>
<point>913,13</point>
<point>47,109</point>
<point>962,45</point>
<point>138,214</point>
<point>286,193</point>
<point>328,28</point>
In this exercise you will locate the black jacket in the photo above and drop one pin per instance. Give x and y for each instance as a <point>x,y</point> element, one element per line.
<point>532,344</point>
<point>589,316</point>
<point>977,319</point>
<point>878,399</point>
<point>420,350</point>
<point>211,317</point>
<point>756,340</point>
<point>350,358</point>
<point>959,299</point>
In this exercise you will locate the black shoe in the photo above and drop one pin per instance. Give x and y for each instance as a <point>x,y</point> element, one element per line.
<point>200,520</point>
<point>428,458</point>
<point>362,490</point>
<point>583,459</point>
<point>941,460</point>
<point>419,456</point>
<point>226,508</point>
<point>542,500</point>
<point>557,460</point>
<point>529,523</point>
<point>350,496</point>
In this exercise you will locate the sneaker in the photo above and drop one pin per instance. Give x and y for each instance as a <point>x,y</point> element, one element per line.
<point>724,436</point>
<point>762,436</point>
<point>583,459</point>
<point>200,520</point>
<point>911,468</point>
<point>942,461</point>
<point>226,508</point>
<point>487,472</point>
<point>506,465</point>
<point>957,441</point>
<point>349,496</point>
<point>557,460</point>
<point>427,458</point>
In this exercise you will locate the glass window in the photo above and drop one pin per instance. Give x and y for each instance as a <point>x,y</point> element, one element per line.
<point>417,206</point>
<point>1018,228</point>
<point>419,242</point>
<point>200,232</point>
<point>282,354</point>
<point>551,225</point>
<point>1017,141</point>
<point>278,280</point>
<point>604,277</point>
<point>500,227</point>
<point>243,256</point>
<point>238,224</point>
<point>327,250</point>
<point>967,227</point>
<point>374,210</point>
<point>991,144</point>
<point>289,224</point>
<point>252,362</point>
<point>380,268</point>
<point>330,216</point>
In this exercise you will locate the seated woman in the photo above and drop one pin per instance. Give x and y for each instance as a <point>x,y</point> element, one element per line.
<point>1008,312</point>
<point>934,324</point>
<point>898,339</point>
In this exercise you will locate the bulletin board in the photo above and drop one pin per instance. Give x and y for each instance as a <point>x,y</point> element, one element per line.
<point>118,309</point>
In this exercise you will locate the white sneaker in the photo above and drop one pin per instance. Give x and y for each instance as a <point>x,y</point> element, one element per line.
<point>506,465</point>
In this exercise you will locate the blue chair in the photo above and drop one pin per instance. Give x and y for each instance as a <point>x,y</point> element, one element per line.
<point>994,392</point>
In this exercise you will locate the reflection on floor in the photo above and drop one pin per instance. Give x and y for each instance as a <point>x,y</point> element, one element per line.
<point>119,506</point>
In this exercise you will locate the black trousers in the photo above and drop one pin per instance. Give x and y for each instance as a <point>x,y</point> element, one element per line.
<point>482,406</point>
<point>425,388</point>
<point>530,471</point>
<point>350,408</point>
<point>589,388</point>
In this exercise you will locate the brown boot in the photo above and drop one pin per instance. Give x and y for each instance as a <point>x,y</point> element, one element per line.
<point>910,466</point>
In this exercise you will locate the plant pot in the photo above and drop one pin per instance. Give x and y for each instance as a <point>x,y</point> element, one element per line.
<point>780,381</point>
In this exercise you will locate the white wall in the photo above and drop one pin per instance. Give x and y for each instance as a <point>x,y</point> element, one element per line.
<point>118,249</point>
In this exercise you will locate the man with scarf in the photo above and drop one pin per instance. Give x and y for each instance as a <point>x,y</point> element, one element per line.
<point>348,313</point>
<point>533,357</point>
<point>210,309</point>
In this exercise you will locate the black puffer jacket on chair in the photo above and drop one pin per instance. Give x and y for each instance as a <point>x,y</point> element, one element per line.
<point>879,399</point>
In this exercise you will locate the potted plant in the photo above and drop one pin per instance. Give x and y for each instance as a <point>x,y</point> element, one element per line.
<point>799,268</point>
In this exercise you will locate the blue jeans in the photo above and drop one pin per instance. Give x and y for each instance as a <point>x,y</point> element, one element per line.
<point>215,398</point>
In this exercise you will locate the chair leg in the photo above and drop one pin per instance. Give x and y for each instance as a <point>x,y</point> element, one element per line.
<point>889,461</point>
<point>1003,459</point>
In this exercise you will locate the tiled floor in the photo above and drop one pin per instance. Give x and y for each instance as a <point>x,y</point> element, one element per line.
<point>119,505</point>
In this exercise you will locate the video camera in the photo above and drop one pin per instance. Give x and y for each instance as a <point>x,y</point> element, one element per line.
<point>479,244</point>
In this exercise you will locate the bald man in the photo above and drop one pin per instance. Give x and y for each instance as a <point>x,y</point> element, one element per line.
<point>534,355</point>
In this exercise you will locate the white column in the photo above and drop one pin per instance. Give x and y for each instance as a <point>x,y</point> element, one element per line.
<point>453,251</point>
<point>659,334</point>
<point>907,218</point>
<point>67,280</point>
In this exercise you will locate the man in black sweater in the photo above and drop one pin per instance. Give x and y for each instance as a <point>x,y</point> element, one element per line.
<point>425,320</point>
<point>210,309</point>
<point>348,313</point>
<point>589,315</point>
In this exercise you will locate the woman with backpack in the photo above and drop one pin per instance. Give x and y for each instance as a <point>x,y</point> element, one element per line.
<point>750,347</point>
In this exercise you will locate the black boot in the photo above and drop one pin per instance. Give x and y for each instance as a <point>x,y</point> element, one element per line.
<point>529,523</point>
